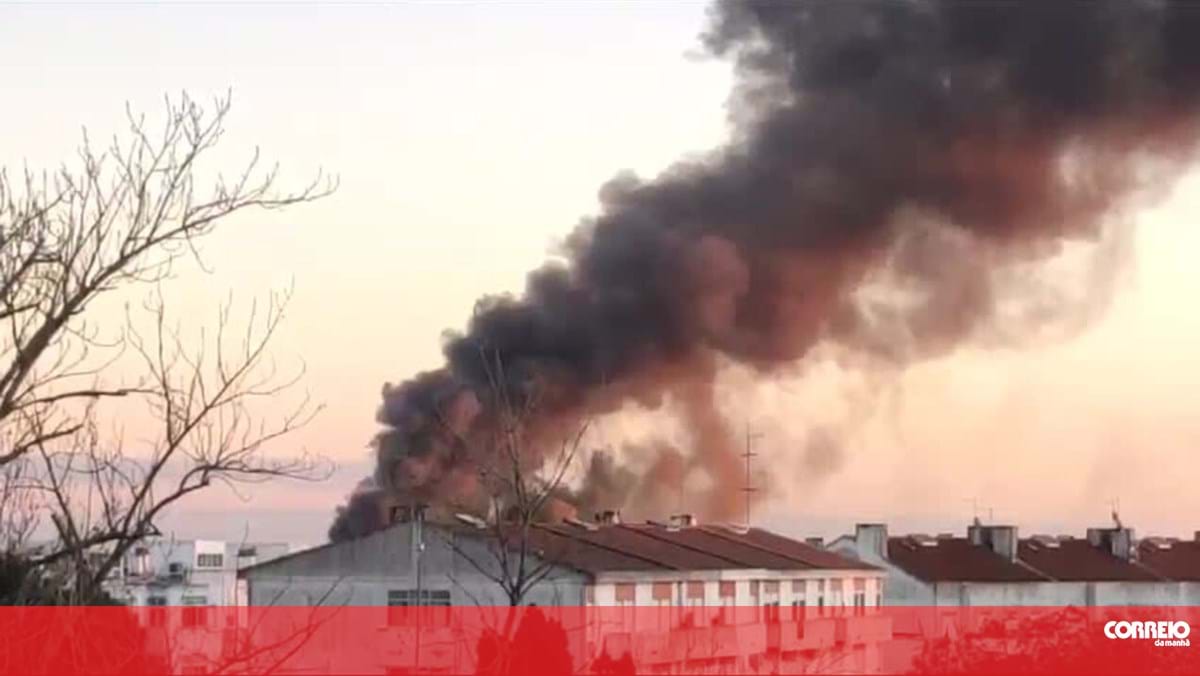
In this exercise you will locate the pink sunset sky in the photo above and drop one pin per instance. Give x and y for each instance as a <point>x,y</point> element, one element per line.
<point>470,138</point>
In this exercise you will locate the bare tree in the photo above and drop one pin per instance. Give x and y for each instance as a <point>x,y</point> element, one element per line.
<point>520,483</point>
<point>122,218</point>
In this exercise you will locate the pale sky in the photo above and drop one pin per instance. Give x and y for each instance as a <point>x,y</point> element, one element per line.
<point>468,139</point>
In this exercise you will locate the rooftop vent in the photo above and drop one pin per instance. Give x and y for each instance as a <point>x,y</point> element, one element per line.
<point>682,521</point>
<point>1047,541</point>
<point>473,521</point>
<point>609,517</point>
<point>580,524</point>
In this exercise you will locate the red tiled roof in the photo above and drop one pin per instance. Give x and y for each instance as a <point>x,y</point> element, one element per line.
<point>1081,561</point>
<point>1178,561</point>
<point>802,551</point>
<point>956,560</point>
<point>630,547</point>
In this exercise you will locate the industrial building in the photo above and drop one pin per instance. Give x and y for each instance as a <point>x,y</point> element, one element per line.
<point>602,563</point>
<point>993,566</point>
<point>673,594</point>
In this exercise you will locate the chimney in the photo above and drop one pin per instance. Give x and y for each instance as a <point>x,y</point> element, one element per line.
<point>1000,539</point>
<point>819,543</point>
<point>1118,541</point>
<point>871,539</point>
<point>609,517</point>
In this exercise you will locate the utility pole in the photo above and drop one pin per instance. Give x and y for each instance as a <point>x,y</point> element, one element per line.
<point>748,488</point>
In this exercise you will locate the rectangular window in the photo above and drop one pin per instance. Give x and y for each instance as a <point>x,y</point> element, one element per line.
<point>798,610</point>
<point>771,587</point>
<point>727,591</point>
<point>695,593</point>
<point>625,593</point>
<point>754,589</point>
<point>195,616</point>
<point>860,603</point>
<point>400,600</point>
<point>156,601</point>
<point>771,612</point>
<point>660,593</point>
<point>820,598</point>
<point>210,560</point>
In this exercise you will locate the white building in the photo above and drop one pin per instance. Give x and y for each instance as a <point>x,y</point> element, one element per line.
<point>168,572</point>
<point>603,564</point>
<point>992,566</point>
<point>766,596</point>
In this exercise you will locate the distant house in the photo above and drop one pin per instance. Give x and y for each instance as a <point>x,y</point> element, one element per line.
<point>168,572</point>
<point>992,566</point>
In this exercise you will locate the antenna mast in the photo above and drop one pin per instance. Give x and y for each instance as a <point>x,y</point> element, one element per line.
<point>748,488</point>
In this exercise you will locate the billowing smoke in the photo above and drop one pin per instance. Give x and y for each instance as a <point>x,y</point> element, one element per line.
<point>893,172</point>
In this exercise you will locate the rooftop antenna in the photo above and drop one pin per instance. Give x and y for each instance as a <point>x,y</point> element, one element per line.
<point>1116,509</point>
<point>975,511</point>
<point>748,489</point>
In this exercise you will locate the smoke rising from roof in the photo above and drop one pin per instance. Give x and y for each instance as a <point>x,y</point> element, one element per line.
<point>893,171</point>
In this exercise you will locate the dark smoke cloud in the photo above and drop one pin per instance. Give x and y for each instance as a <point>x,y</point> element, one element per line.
<point>921,151</point>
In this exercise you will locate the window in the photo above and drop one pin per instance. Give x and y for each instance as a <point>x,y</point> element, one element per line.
<point>695,593</point>
<point>820,598</point>
<point>799,612</point>
<point>771,612</point>
<point>770,587</point>
<point>727,592</point>
<point>426,597</point>
<point>194,614</point>
<point>158,614</point>
<point>429,603</point>
<point>625,595</point>
<point>860,596</point>
<point>210,560</point>
<point>660,593</point>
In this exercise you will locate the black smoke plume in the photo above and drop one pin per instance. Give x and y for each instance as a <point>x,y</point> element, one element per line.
<point>919,151</point>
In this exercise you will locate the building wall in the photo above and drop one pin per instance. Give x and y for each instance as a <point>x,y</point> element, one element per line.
<point>903,589</point>
<point>163,571</point>
<point>899,588</point>
<point>1010,594</point>
<point>812,588</point>
<point>362,572</point>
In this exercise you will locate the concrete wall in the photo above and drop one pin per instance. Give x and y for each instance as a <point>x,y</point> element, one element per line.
<point>361,572</point>
<point>145,576</point>
<point>899,588</point>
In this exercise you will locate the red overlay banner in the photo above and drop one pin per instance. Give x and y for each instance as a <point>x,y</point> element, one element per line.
<point>593,640</point>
